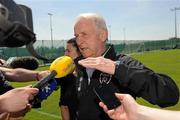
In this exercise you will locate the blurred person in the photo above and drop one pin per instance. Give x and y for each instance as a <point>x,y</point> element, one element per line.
<point>131,110</point>
<point>72,49</point>
<point>101,66</point>
<point>68,101</point>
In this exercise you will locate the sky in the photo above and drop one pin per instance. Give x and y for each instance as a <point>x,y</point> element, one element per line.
<point>125,19</point>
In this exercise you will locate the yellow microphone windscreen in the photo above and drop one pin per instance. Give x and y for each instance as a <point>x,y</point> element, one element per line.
<point>63,66</point>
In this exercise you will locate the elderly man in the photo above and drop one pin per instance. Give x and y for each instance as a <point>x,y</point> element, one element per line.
<point>101,66</point>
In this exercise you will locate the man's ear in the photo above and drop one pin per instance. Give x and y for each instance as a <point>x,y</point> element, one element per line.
<point>103,35</point>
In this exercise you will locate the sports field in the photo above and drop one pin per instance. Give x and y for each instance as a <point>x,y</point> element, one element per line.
<point>166,61</point>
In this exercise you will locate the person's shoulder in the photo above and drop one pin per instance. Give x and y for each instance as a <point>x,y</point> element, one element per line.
<point>122,56</point>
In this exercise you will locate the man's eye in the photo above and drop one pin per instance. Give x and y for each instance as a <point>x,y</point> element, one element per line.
<point>84,34</point>
<point>75,36</point>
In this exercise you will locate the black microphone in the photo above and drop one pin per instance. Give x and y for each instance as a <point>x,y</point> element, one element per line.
<point>27,62</point>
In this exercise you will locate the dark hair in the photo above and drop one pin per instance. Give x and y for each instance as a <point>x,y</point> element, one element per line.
<point>27,62</point>
<point>74,44</point>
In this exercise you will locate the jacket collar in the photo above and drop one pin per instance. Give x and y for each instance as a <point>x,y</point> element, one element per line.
<point>110,52</point>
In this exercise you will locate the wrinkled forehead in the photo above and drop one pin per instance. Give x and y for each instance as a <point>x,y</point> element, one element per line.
<point>84,21</point>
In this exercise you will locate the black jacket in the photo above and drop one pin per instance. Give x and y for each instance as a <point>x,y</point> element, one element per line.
<point>68,95</point>
<point>130,77</point>
<point>4,84</point>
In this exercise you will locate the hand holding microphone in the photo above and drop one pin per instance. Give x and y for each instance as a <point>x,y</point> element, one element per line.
<point>60,67</point>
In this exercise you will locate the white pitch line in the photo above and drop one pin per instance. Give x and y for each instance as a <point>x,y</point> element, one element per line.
<point>48,114</point>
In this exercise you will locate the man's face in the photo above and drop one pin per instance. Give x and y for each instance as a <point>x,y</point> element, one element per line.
<point>88,38</point>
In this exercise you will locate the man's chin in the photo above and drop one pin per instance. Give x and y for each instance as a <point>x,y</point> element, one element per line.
<point>86,55</point>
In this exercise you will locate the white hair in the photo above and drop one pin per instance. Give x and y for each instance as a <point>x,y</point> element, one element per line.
<point>97,19</point>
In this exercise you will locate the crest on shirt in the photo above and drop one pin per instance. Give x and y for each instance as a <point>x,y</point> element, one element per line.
<point>105,78</point>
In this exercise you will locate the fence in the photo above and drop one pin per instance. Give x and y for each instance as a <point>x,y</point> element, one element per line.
<point>45,48</point>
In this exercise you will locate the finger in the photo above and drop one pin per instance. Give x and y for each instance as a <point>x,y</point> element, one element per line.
<point>87,62</point>
<point>111,113</point>
<point>89,65</point>
<point>32,91</point>
<point>89,58</point>
<point>27,109</point>
<point>29,106</point>
<point>101,104</point>
<point>120,96</point>
<point>31,97</point>
<point>122,116</point>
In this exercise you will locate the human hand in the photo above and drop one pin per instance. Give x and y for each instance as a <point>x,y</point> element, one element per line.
<point>2,62</point>
<point>42,74</point>
<point>99,63</point>
<point>127,110</point>
<point>20,114</point>
<point>17,99</point>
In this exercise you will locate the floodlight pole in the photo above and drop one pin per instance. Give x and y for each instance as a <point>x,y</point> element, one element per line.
<point>124,33</point>
<point>109,26</point>
<point>175,22</point>
<point>50,17</point>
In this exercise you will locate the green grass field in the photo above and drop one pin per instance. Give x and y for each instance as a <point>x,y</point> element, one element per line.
<point>167,62</point>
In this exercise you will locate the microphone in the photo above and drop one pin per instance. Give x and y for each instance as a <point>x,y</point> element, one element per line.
<point>60,67</point>
<point>27,62</point>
